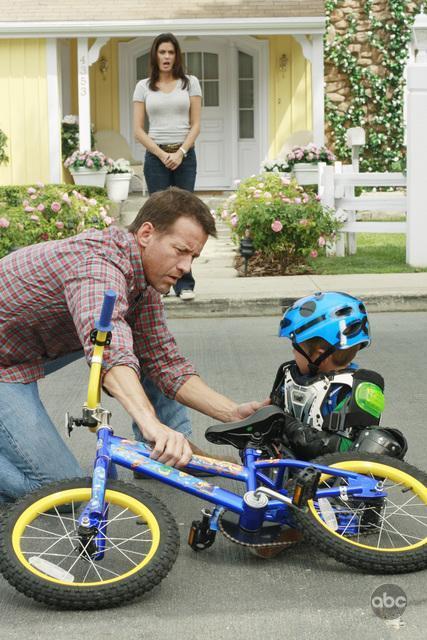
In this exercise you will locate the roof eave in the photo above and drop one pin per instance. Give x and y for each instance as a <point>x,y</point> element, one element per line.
<point>133,28</point>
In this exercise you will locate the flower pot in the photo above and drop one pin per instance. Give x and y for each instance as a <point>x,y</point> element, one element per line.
<point>118,186</point>
<point>306,172</point>
<point>91,177</point>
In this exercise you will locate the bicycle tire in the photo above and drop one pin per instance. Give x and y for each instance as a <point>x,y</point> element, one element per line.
<point>20,534</point>
<point>357,549</point>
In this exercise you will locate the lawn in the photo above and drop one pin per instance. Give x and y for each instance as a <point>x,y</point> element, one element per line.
<point>376,253</point>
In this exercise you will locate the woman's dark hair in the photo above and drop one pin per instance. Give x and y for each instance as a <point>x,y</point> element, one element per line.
<point>178,66</point>
<point>164,208</point>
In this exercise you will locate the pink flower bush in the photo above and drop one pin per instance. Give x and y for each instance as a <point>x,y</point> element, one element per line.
<point>283,221</point>
<point>49,212</point>
<point>277,226</point>
<point>321,241</point>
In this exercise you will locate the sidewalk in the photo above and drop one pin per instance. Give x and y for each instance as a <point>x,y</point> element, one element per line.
<point>221,293</point>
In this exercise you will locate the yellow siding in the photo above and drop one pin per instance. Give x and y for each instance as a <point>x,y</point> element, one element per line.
<point>23,110</point>
<point>289,92</point>
<point>104,88</point>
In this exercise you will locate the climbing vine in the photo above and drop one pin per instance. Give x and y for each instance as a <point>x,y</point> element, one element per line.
<point>376,91</point>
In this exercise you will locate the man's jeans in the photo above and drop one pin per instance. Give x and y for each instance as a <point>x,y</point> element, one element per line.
<point>32,452</point>
<point>169,412</point>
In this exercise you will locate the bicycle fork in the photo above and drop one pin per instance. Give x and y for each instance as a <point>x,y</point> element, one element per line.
<point>92,523</point>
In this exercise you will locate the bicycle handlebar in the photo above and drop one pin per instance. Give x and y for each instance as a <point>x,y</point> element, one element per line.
<point>104,322</point>
<point>103,327</point>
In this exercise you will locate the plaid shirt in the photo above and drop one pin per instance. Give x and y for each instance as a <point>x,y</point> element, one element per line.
<point>51,293</point>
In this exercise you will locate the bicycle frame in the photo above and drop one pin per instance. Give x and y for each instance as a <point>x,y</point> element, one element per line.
<point>112,450</point>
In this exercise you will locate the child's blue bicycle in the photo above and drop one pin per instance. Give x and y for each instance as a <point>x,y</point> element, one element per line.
<point>97,542</point>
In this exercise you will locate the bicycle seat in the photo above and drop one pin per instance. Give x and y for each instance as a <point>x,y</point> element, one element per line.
<point>259,427</point>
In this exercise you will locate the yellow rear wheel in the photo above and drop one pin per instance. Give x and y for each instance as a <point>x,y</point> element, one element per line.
<point>380,535</point>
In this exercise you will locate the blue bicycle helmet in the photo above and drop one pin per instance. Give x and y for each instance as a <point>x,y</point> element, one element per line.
<point>338,318</point>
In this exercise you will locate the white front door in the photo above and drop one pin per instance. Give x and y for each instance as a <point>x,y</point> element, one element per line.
<point>233,76</point>
<point>207,61</point>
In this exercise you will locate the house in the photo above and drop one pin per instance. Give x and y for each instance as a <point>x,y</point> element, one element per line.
<point>260,63</point>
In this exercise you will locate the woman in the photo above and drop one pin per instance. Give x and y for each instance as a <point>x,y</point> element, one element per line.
<point>172,101</point>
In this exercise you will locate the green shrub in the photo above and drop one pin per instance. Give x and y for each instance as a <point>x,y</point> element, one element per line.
<point>70,136</point>
<point>38,213</point>
<point>3,141</point>
<point>287,225</point>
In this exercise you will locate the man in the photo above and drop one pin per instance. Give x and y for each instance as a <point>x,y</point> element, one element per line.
<point>51,294</point>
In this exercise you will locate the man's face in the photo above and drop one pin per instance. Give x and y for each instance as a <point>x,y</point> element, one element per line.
<point>167,256</point>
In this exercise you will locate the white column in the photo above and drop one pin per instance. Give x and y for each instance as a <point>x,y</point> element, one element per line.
<point>416,245</point>
<point>84,93</point>
<point>318,90</point>
<point>54,111</point>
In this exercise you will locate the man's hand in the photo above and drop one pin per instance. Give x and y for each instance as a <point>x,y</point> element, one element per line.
<point>246,409</point>
<point>169,446</point>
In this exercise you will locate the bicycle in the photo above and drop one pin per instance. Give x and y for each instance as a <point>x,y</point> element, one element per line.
<point>97,542</point>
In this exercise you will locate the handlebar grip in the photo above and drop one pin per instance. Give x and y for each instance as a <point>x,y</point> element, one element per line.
<point>104,322</point>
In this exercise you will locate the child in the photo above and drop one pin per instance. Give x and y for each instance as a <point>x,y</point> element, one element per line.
<point>332,405</point>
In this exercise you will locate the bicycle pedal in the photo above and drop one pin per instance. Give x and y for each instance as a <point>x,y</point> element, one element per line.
<point>305,485</point>
<point>200,536</point>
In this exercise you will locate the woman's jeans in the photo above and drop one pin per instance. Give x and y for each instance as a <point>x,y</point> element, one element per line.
<point>158,178</point>
<point>32,453</point>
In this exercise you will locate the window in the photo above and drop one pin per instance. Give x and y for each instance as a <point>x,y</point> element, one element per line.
<point>246,96</point>
<point>205,67</point>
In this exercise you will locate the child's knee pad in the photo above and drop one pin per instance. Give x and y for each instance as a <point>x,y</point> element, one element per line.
<point>389,442</point>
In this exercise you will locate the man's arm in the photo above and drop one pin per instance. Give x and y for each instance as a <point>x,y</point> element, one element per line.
<point>169,446</point>
<point>198,395</point>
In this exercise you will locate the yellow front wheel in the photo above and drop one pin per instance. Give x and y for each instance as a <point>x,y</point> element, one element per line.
<point>43,555</point>
<point>379,535</point>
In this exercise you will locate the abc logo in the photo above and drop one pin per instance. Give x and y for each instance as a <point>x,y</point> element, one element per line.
<point>388,601</point>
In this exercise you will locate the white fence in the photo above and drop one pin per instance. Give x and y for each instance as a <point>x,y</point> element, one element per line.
<point>337,190</point>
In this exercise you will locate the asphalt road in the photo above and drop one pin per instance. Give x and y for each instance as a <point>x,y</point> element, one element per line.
<point>225,592</point>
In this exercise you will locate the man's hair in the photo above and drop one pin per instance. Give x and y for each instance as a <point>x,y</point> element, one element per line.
<point>164,208</point>
<point>340,357</point>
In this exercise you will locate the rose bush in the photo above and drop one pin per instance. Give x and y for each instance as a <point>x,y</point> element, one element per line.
<point>287,225</point>
<point>49,212</point>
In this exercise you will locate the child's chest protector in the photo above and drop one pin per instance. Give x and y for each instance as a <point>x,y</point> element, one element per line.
<point>306,402</point>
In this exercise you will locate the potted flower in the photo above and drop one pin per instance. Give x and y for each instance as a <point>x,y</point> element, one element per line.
<point>303,161</point>
<point>118,180</point>
<point>88,167</point>
<point>279,165</point>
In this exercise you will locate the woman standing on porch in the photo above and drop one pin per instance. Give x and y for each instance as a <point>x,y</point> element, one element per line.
<point>172,101</point>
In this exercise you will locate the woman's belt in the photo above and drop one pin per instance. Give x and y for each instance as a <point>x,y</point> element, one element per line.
<point>170,148</point>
